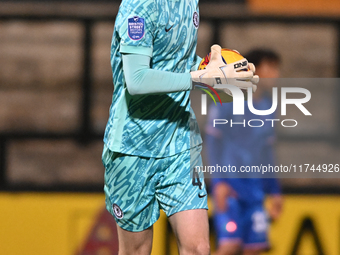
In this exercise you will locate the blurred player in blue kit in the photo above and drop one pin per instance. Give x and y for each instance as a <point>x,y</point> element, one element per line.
<point>152,138</point>
<point>240,220</point>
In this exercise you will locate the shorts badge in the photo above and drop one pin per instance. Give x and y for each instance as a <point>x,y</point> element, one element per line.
<point>117,211</point>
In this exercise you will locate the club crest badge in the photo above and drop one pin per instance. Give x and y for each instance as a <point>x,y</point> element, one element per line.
<point>136,27</point>
<point>196,20</point>
<point>117,211</point>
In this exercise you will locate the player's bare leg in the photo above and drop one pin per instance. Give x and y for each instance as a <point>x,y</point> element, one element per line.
<point>191,228</point>
<point>229,248</point>
<point>135,243</point>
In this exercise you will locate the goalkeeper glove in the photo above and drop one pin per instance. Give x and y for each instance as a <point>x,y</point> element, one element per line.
<point>217,72</point>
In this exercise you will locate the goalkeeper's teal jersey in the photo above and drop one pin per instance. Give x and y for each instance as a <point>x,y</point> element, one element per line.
<point>158,125</point>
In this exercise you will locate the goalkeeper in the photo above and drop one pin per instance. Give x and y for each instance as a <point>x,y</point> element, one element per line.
<point>152,137</point>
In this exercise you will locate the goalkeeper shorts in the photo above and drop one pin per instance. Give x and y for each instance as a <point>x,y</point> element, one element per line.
<point>136,188</point>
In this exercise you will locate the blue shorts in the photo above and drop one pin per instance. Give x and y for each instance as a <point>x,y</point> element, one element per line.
<point>246,224</point>
<point>136,188</point>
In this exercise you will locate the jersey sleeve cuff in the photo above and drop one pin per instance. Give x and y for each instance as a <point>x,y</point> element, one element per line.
<point>136,50</point>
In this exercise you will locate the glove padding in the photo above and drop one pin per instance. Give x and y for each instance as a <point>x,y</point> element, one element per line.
<point>217,72</point>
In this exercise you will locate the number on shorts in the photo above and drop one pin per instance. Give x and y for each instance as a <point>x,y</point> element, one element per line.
<point>196,180</point>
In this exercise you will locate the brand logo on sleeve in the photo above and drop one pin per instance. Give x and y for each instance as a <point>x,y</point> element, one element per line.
<point>136,28</point>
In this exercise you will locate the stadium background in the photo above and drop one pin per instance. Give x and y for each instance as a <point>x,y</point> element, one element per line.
<point>55,90</point>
